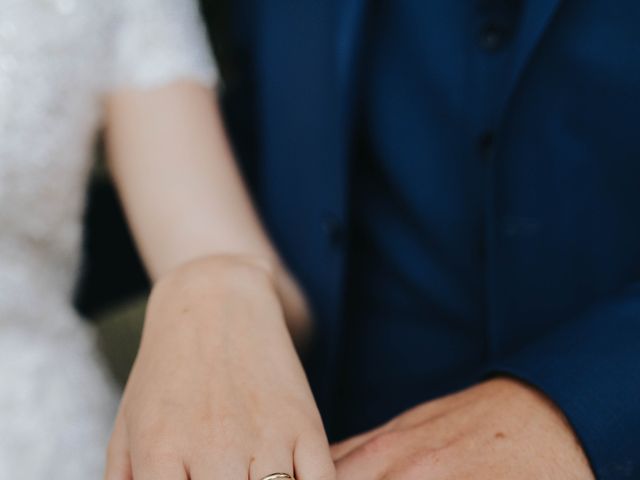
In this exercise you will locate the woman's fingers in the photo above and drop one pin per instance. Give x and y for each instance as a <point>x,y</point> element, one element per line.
<point>308,459</point>
<point>118,462</point>
<point>312,459</point>
<point>118,468</point>
<point>218,465</point>
<point>272,456</point>
<point>158,466</point>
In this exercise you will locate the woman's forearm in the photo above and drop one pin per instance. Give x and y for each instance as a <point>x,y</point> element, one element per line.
<point>183,193</point>
<point>176,175</point>
<point>215,351</point>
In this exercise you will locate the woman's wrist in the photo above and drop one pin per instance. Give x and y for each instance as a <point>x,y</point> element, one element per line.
<point>251,277</point>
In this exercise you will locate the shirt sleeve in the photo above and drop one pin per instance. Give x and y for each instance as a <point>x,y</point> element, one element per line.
<point>160,41</point>
<point>590,368</point>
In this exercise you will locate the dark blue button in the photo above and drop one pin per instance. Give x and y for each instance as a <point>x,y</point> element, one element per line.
<point>486,145</point>
<point>493,37</point>
<point>481,252</point>
<point>333,229</point>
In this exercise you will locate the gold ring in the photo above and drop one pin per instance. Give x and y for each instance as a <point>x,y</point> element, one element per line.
<point>279,476</point>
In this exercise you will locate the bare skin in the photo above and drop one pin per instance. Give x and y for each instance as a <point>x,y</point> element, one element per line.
<point>217,390</point>
<point>499,430</point>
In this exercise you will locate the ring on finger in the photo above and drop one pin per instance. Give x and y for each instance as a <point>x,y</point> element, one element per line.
<point>278,476</point>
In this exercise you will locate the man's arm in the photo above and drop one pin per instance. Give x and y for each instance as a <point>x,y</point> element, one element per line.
<point>590,368</point>
<point>577,396</point>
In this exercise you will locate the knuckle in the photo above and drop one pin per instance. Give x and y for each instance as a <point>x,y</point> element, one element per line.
<point>158,456</point>
<point>152,434</point>
<point>318,440</point>
<point>201,450</point>
<point>316,425</point>
<point>208,440</point>
<point>155,442</point>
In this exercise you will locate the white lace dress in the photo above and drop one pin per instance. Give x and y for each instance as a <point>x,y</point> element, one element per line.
<point>58,61</point>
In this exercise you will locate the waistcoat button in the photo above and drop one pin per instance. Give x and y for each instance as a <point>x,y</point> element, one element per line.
<point>493,37</point>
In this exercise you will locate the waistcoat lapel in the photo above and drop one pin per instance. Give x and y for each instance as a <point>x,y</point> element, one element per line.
<point>349,31</point>
<point>536,16</point>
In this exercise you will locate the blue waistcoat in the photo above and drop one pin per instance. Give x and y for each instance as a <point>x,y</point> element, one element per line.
<point>457,187</point>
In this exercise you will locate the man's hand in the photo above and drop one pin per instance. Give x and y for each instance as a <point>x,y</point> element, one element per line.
<point>501,429</point>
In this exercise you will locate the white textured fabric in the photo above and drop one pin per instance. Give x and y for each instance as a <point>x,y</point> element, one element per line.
<point>58,59</point>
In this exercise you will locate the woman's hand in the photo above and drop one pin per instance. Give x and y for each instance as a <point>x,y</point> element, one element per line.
<point>217,390</point>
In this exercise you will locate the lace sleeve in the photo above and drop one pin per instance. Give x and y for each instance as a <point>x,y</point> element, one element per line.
<point>159,41</point>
